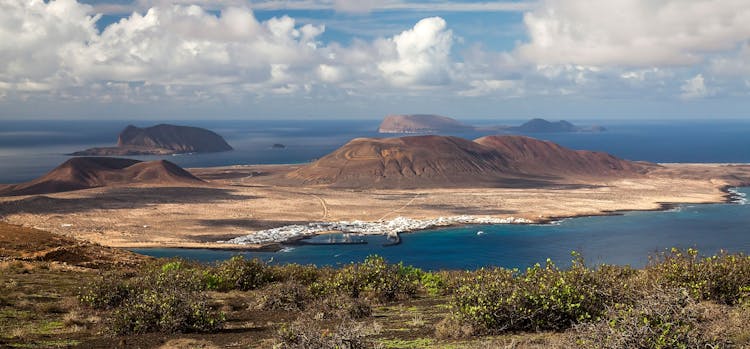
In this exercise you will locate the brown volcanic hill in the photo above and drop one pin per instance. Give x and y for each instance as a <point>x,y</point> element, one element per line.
<point>441,161</point>
<point>420,123</point>
<point>160,140</point>
<point>405,161</point>
<point>28,244</point>
<point>90,172</point>
<point>544,158</point>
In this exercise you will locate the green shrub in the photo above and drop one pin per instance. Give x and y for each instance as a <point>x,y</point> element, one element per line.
<point>374,278</point>
<point>165,298</point>
<point>105,292</point>
<point>541,298</point>
<point>298,273</point>
<point>172,311</point>
<point>238,273</point>
<point>433,283</point>
<point>724,278</point>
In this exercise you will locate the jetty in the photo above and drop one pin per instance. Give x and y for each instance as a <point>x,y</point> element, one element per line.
<point>393,239</point>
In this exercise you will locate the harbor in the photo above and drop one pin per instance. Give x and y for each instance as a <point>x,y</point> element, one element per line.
<point>290,234</point>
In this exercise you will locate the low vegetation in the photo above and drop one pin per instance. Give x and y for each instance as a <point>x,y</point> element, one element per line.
<point>679,300</point>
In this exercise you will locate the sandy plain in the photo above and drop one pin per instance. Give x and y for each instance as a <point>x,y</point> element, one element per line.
<point>239,200</point>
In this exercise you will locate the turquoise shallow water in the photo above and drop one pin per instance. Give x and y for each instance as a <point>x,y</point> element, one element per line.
<point>625,239</point>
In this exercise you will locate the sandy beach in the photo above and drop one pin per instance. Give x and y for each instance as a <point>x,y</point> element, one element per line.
<point>239,200</point>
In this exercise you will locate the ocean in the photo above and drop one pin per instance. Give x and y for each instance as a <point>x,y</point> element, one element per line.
<point>627,239</point>
<point>29,149</point>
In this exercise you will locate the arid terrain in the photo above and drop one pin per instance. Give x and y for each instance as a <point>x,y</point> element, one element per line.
<point>237,200</point>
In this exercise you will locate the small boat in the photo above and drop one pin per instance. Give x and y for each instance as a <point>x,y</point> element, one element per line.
<point>480,232</point>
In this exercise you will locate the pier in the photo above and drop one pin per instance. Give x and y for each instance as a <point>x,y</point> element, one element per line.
<point>393,240</point>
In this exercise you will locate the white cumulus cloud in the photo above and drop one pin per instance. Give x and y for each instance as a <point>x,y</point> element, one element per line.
<point>694,87</point>
<point>421,54</point>
<point>37,37</point>
<point>633,32</point>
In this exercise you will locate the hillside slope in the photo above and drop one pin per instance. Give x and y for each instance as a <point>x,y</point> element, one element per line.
<point>443,161</point>
<point>91,172</point>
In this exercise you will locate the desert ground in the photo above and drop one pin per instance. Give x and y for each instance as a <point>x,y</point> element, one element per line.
<point>239,200</point>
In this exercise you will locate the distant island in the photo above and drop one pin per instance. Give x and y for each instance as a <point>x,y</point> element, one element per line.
<point>421,123</point>
<point>161,139</point>
<point>426,123</point>
<point>544,126</point>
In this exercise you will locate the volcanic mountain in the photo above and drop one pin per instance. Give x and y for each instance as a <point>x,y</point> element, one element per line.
<point>421,123</point>
<point>425,123</point>
<point>544,126</point>
<point>160,140</point>
<point>443,161</point>
<point>543,158</point>
<point>90,172</point>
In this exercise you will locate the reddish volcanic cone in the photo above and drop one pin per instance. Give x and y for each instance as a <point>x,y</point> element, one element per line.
<point>442,161</point>
<point>90,172</point>
<point>544,158</point>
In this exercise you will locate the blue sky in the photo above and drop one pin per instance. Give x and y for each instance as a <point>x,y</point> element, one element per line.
<point>266,59</point>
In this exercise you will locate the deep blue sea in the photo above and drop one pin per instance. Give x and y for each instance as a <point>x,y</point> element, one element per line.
<point>625,239</point>
<point>29,149</point>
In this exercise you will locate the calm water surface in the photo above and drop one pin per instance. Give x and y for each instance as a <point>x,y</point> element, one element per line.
<point>626,239</point>
<point>29,149</point>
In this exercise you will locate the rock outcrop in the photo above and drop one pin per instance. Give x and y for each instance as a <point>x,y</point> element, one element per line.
<point>161,139</point>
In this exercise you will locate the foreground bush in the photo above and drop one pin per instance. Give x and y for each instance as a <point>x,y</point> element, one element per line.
<point>330,322</point>
<point>305,333</point>
<point>663,319</point>
<point>289,296</point>
<point>298,273</point>
<point>373,279</point>
<point>541,298</point>
<point>162,298</point>
<point>238,273</point>
<point>724,278</point>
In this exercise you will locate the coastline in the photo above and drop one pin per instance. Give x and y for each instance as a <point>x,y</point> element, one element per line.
<point>730,197</point>
<point>238,201</point>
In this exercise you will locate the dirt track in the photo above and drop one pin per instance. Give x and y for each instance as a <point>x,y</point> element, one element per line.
<point>226,207</point>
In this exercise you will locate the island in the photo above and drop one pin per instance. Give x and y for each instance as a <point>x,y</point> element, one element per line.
<point>544,126</point>
<point>427,123</point>
<point>421,123</point>
<point>369,186</point>
<point>162,139</point>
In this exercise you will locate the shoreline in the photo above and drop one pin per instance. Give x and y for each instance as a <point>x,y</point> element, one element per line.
<point>730,197</point>
<point>235,202</point>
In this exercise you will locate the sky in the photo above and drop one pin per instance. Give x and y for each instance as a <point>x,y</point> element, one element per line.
<point>303,59</point>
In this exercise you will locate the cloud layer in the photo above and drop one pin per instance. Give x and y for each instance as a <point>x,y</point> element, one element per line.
<point>172,52</point>
<point>634,32</point>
